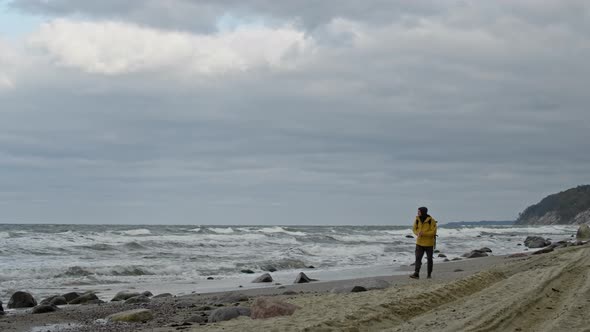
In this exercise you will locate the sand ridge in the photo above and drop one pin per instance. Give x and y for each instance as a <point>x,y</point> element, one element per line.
<point>549,292</point>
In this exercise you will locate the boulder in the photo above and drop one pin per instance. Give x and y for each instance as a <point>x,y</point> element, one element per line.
<point>223,314</point>
<point>44,308</point>
<point>87,298</point>
<point>137,315</point>
<point>163,295</point>
<point>21,300</point>
<point>266,307</point>
<point>124,295</point>
<point>475,254</point>
<point>583,232</point>
<point>302,278</point>
<point>55,300</point>
<point>137,299</point>
<point>485,249</point>
<point>263,278</point>
<point>536,242</point>
<point>446,260</point>
<point>147,294</point>
<point>71,296</point>
<point>247,271</point>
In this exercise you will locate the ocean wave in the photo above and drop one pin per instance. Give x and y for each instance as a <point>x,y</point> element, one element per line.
<point>75,271</point>
<point>282,264</point>
<point>130,271</point>
<point>227,230</point>
<point>196,230</point>
<point>134,246</point>
<point>97,247</point>
<point>135,232</point>
<point>277,229</point>
<point>4,235</point>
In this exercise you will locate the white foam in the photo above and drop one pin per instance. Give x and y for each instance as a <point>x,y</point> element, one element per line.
<point>4,235</point>
<point>228,230</point>
<point>277,229</point>
<point>196,230</point>
<point>140,231</point>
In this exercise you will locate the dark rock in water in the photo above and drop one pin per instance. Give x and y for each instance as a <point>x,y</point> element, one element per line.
<point>442,255</point>
<point>55,300</point>
<point>223,314</point>
<point>410,236</point>
<point>302,278</point>
<point>21,300</point>
<point>311,267</point>
<point>543,251</point>
<point>71,296</point>
<point>485,249</point>
<point>478,236</point>
<point>536,242</point>
<point>456,259</point>
<point>124,295</point>
<point>446,260</point>
<point>87,298</point>
<point>269,268</point>
<point>475,254</point>
<point>437,251</point>
<point>266,307</point>
<point>44,308</point>
<point>583,232</point>
<point>163,295</point>
<point>147,294</point>
<point>520,244</point>
<point>458,270</point>
<point>357,289</point>
<point>247,271</point>
<point>210,278</point>
<point>137,299</point>
<point>263,278</point>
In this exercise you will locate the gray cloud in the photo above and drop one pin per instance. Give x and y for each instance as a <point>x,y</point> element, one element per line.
<point>475,110</point>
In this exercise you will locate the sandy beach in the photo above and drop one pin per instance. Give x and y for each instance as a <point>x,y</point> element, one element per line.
<point>547,292</point>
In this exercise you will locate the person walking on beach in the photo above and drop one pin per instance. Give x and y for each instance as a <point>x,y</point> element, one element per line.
<point>425,231</point>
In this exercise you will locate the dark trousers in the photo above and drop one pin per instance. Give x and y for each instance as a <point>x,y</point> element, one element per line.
<point>420,250</point>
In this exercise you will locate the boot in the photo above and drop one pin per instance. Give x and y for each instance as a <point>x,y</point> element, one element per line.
<point>415,276</point>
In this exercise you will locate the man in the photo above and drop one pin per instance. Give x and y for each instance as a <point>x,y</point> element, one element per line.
<point>425,231</point>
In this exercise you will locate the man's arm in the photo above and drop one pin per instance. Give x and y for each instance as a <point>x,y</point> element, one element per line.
<point>415,228</point>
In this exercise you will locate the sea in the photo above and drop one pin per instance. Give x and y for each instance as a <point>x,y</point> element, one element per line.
<point>54,259</point>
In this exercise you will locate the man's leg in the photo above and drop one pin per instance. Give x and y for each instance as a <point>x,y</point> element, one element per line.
<point>418,263</point>
<point>429,258</point>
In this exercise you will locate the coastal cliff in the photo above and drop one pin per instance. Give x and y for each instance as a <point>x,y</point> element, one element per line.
<point>569,207</point>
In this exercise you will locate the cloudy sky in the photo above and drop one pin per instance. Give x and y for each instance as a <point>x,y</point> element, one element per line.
<point>289,112</point>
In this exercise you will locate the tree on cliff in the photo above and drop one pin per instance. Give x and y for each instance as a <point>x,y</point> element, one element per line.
<point>564,206</point>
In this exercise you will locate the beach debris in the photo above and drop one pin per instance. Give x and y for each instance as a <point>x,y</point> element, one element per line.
<point>124,295</point>
<point>485,249</point>
<point>163,295</point>
<point>358,289</point>
<point>302,278</point>
<point>44,308</point>
<point>583,232</point>
<point>519,254</point>
<point>21,300</point>
<point>248,271</point>
<point>536,242</point>
<point>86,298</point>
<point>475,254</point>
<point>147,294</point>
<point>55,300</point>
<point>263,278</point>
<point>543,251</point>
<point>71,296</point>
<point>223,314</point>
<point>137,315</point>
<point>442,255</point>
<point>230,297</point>
<point>137,299</point>
<point>266,307</point>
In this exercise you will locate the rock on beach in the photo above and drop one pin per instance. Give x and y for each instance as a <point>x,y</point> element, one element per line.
<point>21,300</point>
